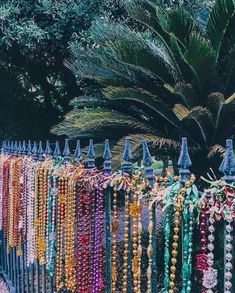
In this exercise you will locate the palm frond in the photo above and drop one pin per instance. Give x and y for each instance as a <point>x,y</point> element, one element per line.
<point>131,47</point>
<point>201,57</point>
<point>218,21</point>
<point>216,149</point>
<point>99,122</point>
<point>181,25</point>
<point>143,97</point>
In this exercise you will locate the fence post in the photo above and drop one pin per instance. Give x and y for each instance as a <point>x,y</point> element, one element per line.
<point>57,152</point>
<point>77,152</point>
<point>66,152</point>
<point>40,152</point>
<point>184,163</point>
<point>227,168</point>
<point>18,258</point>
<point>91,156</point>
<point>37,156</point>
<point>22,257</point>
<point>127,169</point>
<point>48,150</point>
<point>107,170</point>
<point>147,162</point>
<point>29,149</point>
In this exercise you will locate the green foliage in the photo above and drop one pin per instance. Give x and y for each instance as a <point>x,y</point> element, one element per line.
<point>164,76</point>
<point>34,41</point>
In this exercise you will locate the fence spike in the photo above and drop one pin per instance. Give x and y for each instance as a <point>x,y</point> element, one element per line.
<point>227,165</point>
<point>66,152</point>
<point>16,149</point>
<point>147,162</point>
<point>3,146</point>
<point>20,148</point>
<point>127,156</point>
<point>29,148</point>
<point>91,155</point>
<point>35,151</point>
<point>184,162</point>
<point>57,152</point>
<point>11,149</point>
<point>48,150</point>
<point>78,153</point>
<point>24,148</point>
<point>40,152</point>
<point>107,157</point>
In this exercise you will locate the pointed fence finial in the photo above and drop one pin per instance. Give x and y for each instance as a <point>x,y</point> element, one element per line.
<point>23,148</point>
<point>16,149</point>
<point>127,156</point>
<point>12,148</point>
<point>8,147</point>
<point>78,152</point>
<point>3,146</point>
<point>57,152</point>
<point>48,150</point>
<point>91,155</point>
<point>29,149</point>
<point>35,151</point>
<point>147,162</point>
<point>184,162</point>
<point>227,165</point>
<point>40,152</point>
<point>66,152</point>
<point>107,157</point>
<point>19,148</point>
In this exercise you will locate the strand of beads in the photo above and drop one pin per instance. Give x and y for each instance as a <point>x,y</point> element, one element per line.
<point>70,263</point>
<point>178,209</point>
<point>134,214</point>
<point>79,235</point>
<point>43,174</point>
<point>150,248</point>
<point>126,239</point>
<point>31,214</point>
<point>98,283</point>
<point>115,227</point>
<point>60,234</point>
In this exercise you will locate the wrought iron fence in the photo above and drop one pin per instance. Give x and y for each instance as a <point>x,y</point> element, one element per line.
<point>68,227</point>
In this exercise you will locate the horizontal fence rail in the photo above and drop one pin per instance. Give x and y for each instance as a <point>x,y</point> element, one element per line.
<point>67,226</point>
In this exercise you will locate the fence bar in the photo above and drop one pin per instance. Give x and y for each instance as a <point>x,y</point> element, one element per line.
<point>147,162</point>
<point>78,152</point>
<point>108,208</point>
<point>91,155</point>
<point>15,267</point>
<point>226,167</point>
<point>127,168</point>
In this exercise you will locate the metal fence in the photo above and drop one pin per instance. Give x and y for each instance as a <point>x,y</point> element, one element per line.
<point>74,212</point>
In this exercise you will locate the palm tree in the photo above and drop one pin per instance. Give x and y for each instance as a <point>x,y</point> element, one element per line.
<point>168,80</point>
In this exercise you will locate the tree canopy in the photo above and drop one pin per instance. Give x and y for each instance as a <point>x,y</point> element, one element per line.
<point>173,78</point>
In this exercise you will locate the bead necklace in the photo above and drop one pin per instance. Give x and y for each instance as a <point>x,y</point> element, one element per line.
<point>31,214</point>
<point>150,248</point>
<point>114,229</point>
<point>79,235</point>
<point>42,217</point>
<point>51,229</point>
<point>189,204</point>
<point>126,239</point>
<point>98,282</point>
<point>70,263</point>
<point>178,210</point>
<point>229,194</point>
<point>60,233</point>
